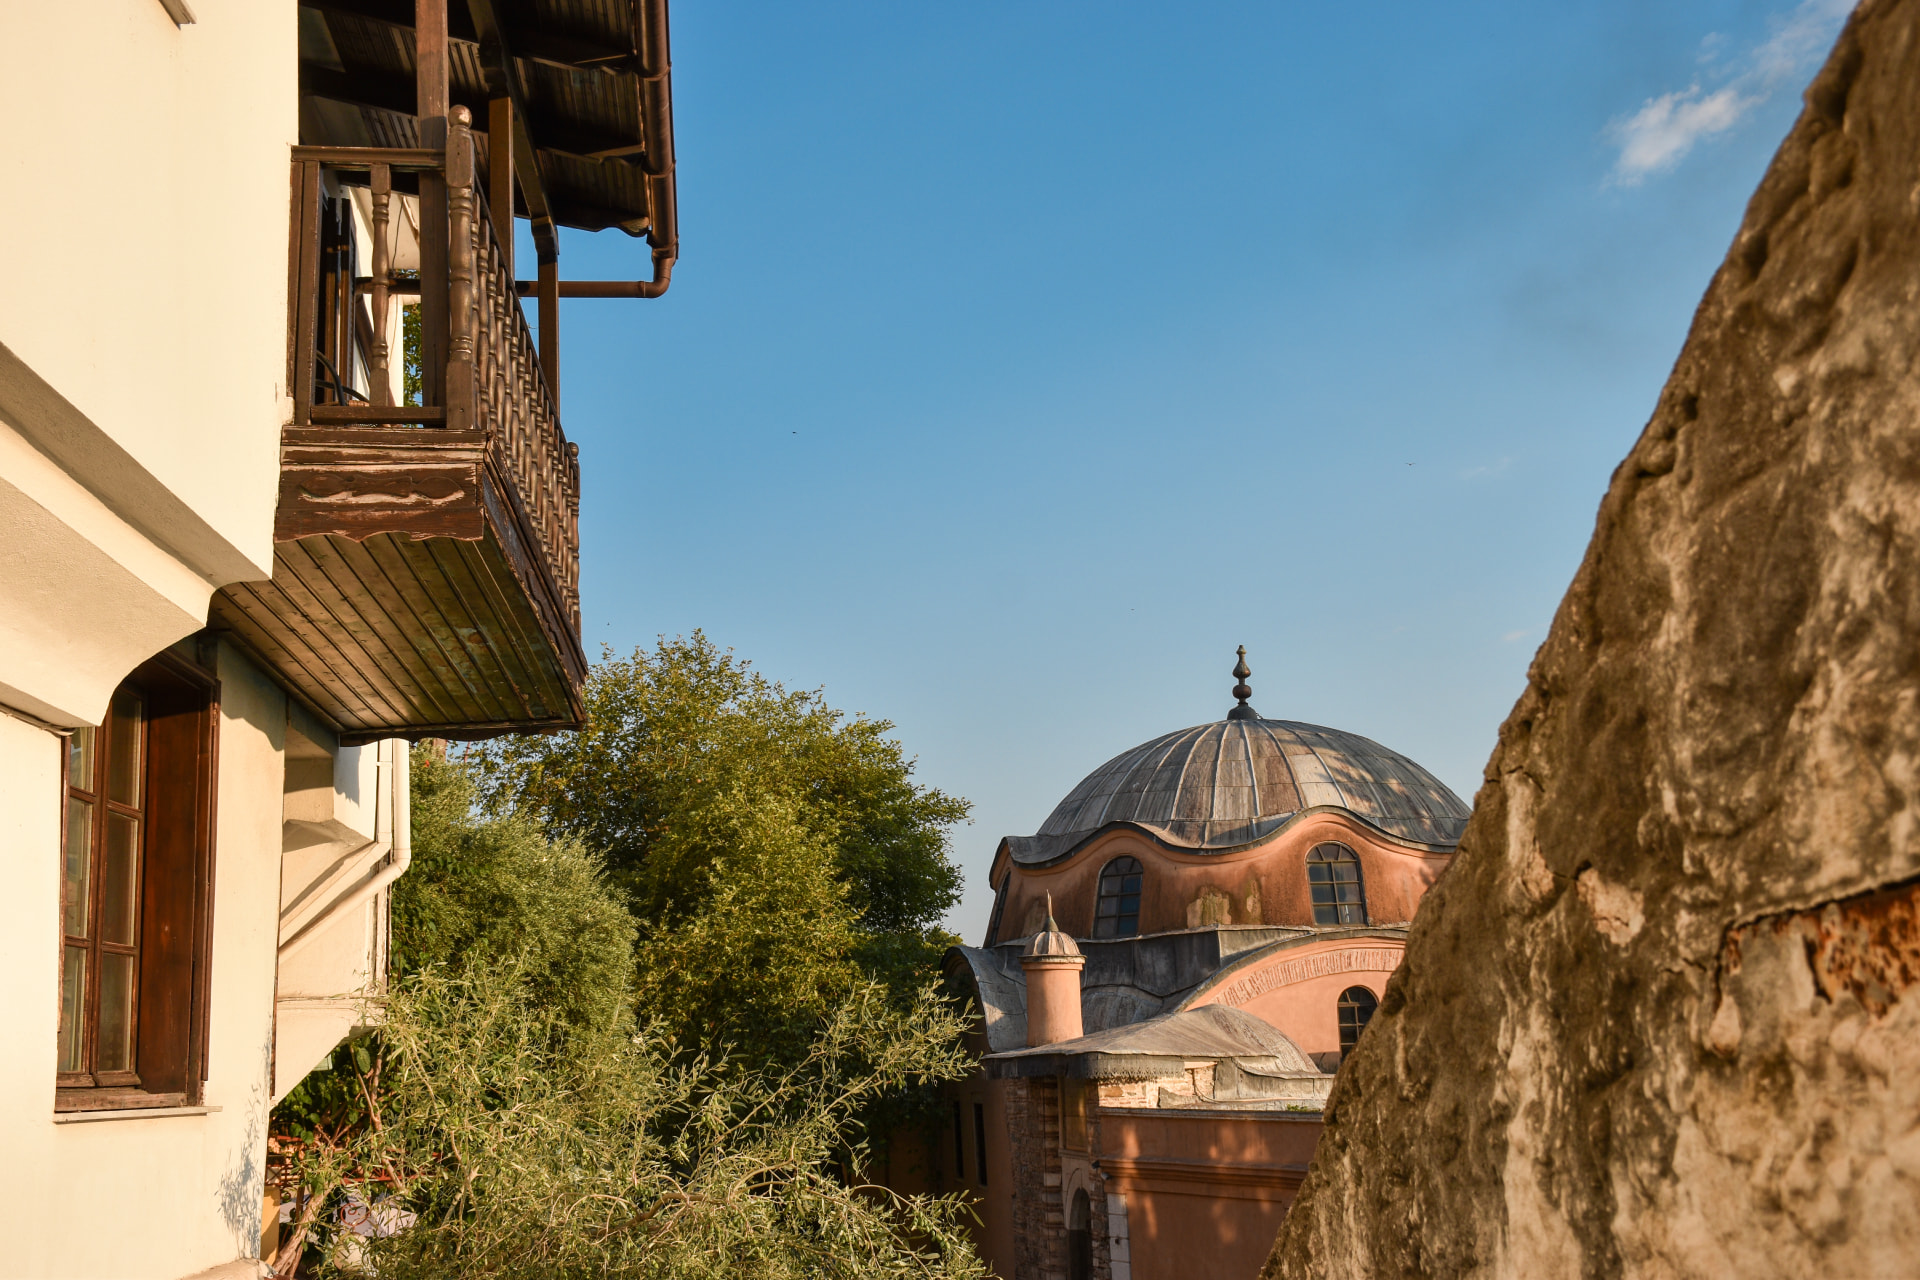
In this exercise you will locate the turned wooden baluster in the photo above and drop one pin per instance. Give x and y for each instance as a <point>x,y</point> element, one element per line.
<point>460,255</point>
<point>382,377</point>
<point>302,369</point>
<point>569,555</point>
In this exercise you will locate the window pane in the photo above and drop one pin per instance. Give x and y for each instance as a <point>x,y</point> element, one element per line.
<point>77,880</point>
<point>115,1050</point>
<point>1333,879</point>
<point>123,747</point>
<point>1357,1005</point>
<point>118,873</point>
<point>80,759</point>
<point>73,1000</point>
<point>980,1143</point>
<point>1117,914</point>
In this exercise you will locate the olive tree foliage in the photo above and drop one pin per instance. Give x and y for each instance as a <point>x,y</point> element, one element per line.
<point>507,1143</point>
<point>774,850</point>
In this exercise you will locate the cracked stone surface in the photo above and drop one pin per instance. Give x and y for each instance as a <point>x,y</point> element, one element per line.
<point>1659,1017</point>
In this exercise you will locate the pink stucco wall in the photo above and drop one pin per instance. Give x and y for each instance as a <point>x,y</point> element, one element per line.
<point>1297,989</point>
<point>1263,884</point>
<point>1205,1190</point>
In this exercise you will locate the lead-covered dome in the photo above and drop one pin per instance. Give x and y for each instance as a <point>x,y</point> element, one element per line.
<point>1223,785</point>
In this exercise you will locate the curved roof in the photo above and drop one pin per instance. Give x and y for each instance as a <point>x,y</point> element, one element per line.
<point>1159,1046</point>
<point>1227,784</point>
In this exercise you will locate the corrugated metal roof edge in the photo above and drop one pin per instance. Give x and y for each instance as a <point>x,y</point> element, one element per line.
<point>1166,841</point>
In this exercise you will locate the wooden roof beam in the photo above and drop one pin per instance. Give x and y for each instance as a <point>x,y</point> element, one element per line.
<point>533,44</point>
<point>394,91</point>
<point>503,80</point>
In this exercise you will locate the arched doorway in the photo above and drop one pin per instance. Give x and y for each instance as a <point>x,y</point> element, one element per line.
<point>1079,1239</point>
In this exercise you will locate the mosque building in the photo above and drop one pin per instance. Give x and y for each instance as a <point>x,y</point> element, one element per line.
<point>1175,964</point>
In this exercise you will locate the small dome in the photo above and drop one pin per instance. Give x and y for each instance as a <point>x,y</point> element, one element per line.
<point>1050,941</point>
<point>1227,784</point>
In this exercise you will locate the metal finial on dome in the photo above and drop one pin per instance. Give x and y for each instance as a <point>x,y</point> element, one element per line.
<point>1052,940</point>
<point>1242,690</point>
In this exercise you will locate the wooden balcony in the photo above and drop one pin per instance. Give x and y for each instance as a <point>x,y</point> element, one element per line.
<point>426,557</point>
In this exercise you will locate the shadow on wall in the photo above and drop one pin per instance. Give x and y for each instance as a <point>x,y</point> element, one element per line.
<point>243,1185</point>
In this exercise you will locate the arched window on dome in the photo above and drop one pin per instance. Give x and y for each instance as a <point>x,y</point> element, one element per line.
<point>1333,876</point>
<point>1356,1011</point>
<point>1118,915</point>
<point>999,909</point>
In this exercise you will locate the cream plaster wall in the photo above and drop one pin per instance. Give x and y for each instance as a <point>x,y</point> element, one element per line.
<point>142,347</point>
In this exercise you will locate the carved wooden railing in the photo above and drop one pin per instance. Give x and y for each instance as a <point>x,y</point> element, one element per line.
<point>511,399</point>
<point>480,361</point>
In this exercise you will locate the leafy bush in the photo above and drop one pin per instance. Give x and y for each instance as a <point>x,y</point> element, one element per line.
<point>527,1146</point>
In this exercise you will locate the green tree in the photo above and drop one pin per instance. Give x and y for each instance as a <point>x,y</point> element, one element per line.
<point>495,886</point>
<point>484,891</point>
<point>772,848</point>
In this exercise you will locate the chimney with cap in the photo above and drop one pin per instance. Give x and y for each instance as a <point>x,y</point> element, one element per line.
<point>1052,963</point>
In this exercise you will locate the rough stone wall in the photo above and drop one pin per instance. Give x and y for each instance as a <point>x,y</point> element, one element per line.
<point>1039,1216</point>
<point>1659,1018</point>
<point>1098,1206</point>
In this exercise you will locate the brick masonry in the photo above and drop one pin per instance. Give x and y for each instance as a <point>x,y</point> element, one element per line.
<point>1039,1218</point>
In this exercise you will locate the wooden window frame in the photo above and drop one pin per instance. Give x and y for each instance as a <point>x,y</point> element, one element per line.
<point>1116,871</point>
<point>1355,1014</point>
<point>93,796</point>
<point>1339,907</point>
<point>174,894</point>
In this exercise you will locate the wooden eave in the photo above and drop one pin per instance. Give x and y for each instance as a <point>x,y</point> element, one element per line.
<point>408,596</point>
<point>574,69</point>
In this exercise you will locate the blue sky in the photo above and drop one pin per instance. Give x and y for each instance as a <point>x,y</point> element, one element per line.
<point>1023,359</point>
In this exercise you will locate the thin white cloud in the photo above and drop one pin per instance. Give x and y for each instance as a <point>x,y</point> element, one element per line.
<point>1521,634</point>
<point>1800,40</point>
<point>1659,135</point>
<point>1665,129</point>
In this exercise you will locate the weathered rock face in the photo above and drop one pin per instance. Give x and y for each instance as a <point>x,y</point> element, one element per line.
<point>1659,1019</point>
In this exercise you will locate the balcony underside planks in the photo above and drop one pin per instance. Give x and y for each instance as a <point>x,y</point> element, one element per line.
<point>409,596</point>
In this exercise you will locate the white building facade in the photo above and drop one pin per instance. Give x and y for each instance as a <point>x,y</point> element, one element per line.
<point>222,616</point>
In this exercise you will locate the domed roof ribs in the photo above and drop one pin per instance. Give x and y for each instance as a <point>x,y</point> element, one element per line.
<point>1133,757</point>
<point>1253,773</point>
<point>1180,784</point>
<point>1209,810</point>
<point>1286,763</point>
